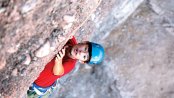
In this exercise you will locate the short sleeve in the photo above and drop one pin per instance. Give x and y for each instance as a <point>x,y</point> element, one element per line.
<point>69,65</point>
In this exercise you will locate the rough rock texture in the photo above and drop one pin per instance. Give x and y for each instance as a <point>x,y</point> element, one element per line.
<point>139,58</point>
<point>31,33</point>
<point>139,51</point>
<point>144,60</point>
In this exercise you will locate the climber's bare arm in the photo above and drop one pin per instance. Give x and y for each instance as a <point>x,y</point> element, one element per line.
<point>58,67</point>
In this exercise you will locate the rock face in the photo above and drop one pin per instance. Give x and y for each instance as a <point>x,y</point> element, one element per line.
<point>138,36</point>
<point>139,56</point>
<point>144,52</point>
<point>31,33</point>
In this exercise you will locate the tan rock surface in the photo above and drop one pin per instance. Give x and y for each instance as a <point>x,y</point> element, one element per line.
<point>25,26</point>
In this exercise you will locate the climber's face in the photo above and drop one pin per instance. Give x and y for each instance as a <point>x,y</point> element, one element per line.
<point>80,52</point>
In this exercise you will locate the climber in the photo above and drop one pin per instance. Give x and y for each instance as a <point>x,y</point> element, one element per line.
<point>63,63</point>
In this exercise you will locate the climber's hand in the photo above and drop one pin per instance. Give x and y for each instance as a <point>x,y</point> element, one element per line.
<point>61,54</point>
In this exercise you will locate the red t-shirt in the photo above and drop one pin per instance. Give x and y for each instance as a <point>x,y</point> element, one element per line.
<point>47,78</point>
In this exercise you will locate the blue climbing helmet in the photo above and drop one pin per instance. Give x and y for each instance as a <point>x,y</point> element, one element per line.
<point>96,53</point>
